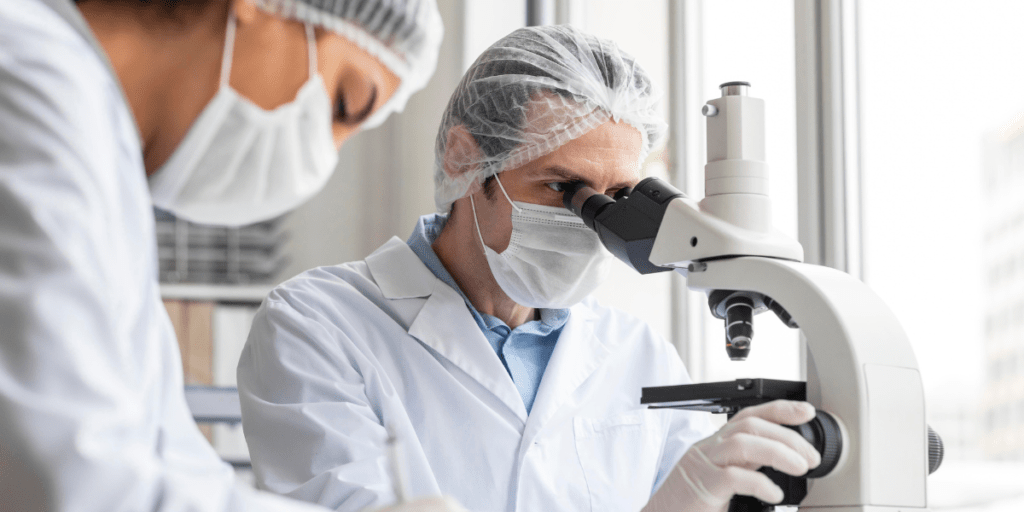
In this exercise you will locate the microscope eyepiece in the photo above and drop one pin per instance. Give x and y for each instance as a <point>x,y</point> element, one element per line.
<point>569,190</point>
<point>584,201</point>
<point>626,224</point>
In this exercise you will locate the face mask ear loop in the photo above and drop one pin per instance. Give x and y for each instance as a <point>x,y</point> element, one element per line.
<point>311,41</point>
<point>502,187</point>
<point>482,246</point>
<point>229,47</point>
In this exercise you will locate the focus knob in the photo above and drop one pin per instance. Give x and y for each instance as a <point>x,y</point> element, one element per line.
<point>824,435</point>
<point>935,451</point>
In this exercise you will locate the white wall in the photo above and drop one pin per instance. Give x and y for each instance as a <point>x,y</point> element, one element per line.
<point>377,189</point>
<point>384,180</point>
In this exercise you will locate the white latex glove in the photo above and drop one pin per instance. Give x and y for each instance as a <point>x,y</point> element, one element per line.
<point>431,504</point>
<point>716,468</point>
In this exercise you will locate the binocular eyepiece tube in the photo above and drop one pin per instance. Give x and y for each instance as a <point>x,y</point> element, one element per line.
<point>627,223</point>
<point>585,202</point>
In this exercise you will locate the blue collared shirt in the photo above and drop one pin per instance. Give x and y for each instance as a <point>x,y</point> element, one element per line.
<point>525,350</point>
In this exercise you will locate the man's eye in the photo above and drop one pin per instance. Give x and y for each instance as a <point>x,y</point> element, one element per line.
<point>562,186</point>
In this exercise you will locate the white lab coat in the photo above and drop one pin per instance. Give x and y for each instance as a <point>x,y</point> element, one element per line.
<point>92,412</point>
<point>338,353</point>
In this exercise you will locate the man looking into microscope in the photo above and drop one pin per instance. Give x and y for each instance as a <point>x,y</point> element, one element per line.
<point>475,341</point>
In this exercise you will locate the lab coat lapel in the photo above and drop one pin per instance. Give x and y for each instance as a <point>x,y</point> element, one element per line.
<point>398,272</point>
<point>578,353</point>
<point>446,325</point>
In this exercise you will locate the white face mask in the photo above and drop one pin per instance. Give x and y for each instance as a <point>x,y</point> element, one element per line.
<point>553,259</point>
<point>241,164</point>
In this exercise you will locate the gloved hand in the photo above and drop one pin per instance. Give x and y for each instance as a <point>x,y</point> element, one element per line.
<point>726,463</point>
<point>431,504</point>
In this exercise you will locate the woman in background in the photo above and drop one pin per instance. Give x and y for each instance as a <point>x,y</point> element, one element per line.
<point>234,110</point>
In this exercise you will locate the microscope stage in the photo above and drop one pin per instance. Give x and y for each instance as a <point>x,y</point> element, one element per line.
<point>722,397</point>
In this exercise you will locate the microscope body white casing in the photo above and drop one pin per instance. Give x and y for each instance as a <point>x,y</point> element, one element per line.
<point>860,366</point>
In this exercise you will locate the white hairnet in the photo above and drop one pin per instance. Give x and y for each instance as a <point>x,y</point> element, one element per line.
<point>530,93</point>
<point>405,35</point>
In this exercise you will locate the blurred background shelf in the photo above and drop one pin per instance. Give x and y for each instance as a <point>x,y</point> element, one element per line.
<point>222,293</point>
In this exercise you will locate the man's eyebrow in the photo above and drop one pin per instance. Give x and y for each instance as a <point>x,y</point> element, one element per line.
<point>365,112</point>
<point>565,174</point>
<point>569,175</point>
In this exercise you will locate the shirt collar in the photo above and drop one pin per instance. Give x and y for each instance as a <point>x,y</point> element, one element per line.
<point>427,229</point>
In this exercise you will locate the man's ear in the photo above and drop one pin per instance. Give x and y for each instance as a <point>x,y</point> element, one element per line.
<point>462,155</point>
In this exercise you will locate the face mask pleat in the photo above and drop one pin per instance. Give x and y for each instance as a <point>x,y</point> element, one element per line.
<point>276,160</point>
<point>228,167</point>
<point>303,161</point>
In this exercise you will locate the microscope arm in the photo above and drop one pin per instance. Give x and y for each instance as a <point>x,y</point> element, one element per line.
<point>861,369</point>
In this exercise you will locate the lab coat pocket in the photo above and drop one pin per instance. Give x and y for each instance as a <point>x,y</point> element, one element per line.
<point>619,455</point>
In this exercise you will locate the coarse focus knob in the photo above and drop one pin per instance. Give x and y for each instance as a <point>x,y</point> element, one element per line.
<point>825,436</point>
<point>935,451</point>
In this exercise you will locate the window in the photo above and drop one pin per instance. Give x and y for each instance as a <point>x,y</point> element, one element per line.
<point>943,199</point>
<point>943,190</point>
<point>758,48</point>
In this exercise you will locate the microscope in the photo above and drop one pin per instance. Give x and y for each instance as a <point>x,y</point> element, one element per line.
<point>862,375</point>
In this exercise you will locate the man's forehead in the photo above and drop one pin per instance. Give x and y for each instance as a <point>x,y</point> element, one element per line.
<point>608,152</point>
<point>612,172</point>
